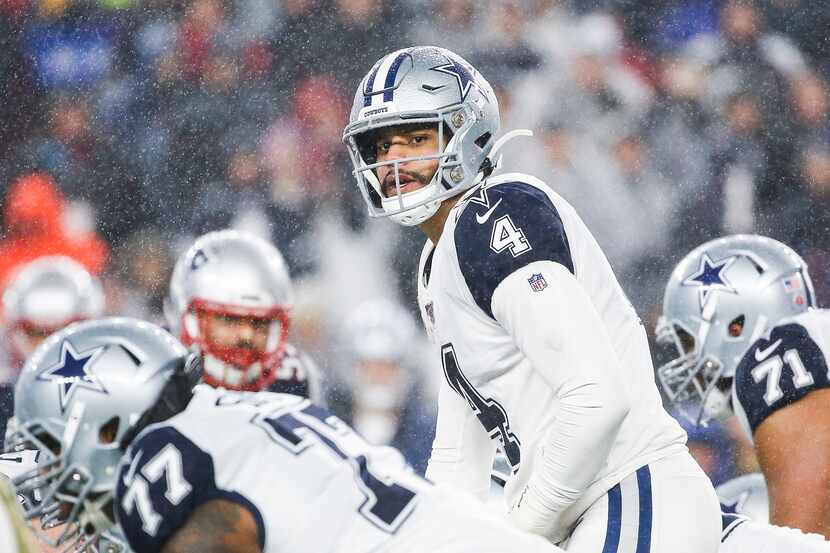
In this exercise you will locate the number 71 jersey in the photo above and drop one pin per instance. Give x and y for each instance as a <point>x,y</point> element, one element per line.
<point>311,483</point>
<point>782,367</point>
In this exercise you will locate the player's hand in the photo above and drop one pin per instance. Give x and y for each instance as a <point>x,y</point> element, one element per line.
<point>530,515</point>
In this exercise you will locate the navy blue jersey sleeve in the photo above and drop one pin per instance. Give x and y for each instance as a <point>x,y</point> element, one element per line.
<point>166,478</point>
<point>502,229</point>
<point>778,371</point>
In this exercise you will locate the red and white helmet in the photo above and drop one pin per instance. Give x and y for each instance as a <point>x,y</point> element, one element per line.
<point>232,274</point>
<point>44,296</point>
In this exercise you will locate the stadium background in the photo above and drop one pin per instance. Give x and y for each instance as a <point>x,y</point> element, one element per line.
<point>129,127</point>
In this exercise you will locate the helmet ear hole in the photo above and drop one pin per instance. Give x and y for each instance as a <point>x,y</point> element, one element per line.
<point>736,326</point>
<point>687,341</point>
<point>109,430</point>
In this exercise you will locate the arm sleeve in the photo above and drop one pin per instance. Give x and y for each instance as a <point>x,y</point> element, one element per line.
<point>462,453</point>
<point>791,366</point>
<point>560,332</point>
<point>162,480</point>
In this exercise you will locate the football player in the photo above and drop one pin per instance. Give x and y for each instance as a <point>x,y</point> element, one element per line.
<point>230,299</point>
<point>739,313</point>
<point>543,355</point>
<point>42,297</point>
<point>210,469</point>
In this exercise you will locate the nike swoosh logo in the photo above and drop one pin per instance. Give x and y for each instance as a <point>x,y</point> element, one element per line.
<point>483,218</point>
<point>429,88</point>
<point>761,354</point>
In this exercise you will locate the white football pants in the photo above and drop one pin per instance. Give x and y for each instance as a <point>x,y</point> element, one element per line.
<point>449,522</point>
<point>668,506</point>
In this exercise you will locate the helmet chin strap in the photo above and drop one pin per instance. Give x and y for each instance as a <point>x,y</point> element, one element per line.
<point>499,144</point>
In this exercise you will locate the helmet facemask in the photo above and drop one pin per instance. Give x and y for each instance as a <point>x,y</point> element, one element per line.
<point>450,177</point>
<point>692,382</point>
<point>67,508</point>
<point>237,366</point>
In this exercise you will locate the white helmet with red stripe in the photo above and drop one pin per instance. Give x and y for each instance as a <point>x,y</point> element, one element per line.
<point>44,296</point>
<point>232,278</point>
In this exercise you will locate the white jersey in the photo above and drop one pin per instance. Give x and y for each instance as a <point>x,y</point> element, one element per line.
<point>782,367</point>
<point>504,247</point>
<point>311,483</point>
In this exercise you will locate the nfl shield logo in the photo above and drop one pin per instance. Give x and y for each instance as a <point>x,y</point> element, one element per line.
<point>537,282</point>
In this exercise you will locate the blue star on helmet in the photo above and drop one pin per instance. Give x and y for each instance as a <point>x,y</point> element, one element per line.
<point>461,73</point>
<point>72,372</point>
<point>710,276</point>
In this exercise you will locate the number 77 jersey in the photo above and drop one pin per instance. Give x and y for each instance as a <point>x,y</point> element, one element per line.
<point>310,482</point>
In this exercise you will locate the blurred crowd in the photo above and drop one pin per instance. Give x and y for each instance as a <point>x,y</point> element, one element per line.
<point>129,127</point>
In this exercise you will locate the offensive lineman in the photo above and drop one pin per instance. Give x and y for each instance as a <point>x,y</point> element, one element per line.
<point>215,470</point>
<point>739,312</point>
<point>538,341</point>
<point>230,298</point>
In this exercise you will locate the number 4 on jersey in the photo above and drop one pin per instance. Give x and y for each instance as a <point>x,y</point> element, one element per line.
<point>489,412</point>
<point>507,235</point>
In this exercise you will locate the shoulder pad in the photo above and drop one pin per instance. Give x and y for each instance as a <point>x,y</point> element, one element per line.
<point>502,228</point>
<point>778,371</point>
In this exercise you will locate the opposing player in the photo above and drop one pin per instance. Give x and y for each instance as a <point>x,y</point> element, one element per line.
<point>543,355</point>
<point>739,312</point>
<point>41,298</point>
<point>214,470</point>
<point>230,298</point>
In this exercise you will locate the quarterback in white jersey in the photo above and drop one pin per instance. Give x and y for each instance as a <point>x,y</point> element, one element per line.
<point>740,313</point>
<point>543,355</point>
<point>209,469</point>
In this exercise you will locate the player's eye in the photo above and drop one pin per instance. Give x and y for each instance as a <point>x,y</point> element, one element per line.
<point>383,146</point>
<point>418,139</point>
<point>736,327</point>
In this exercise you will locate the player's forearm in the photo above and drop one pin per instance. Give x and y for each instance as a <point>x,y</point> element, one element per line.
<point>564,339</point>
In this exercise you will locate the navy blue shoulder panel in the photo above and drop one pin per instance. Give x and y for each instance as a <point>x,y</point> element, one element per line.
<point>504,228</point>
<point>167,478</point>
<point>794,362</point>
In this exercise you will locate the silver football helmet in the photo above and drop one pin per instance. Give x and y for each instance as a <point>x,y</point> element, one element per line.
<point>380,330</point>
<point>380,338</point>
<point>78,398</point>
<point>721,298</point>
<point>430,86</point>
<point>233,275</point>
<point>43,297</point>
